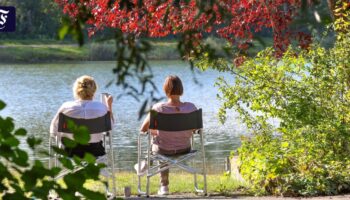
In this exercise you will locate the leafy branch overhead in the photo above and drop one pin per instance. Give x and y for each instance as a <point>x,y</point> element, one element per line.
<point>190,22</point>
<point>236,21</point>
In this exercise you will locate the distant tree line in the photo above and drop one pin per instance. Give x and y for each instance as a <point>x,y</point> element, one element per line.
<point>35,19</point>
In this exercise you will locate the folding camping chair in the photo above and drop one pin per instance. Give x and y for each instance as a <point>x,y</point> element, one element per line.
<point>95,125</point>
<point>157,163</point>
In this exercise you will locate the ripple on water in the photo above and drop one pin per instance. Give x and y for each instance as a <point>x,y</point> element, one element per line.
<point>34,92</point>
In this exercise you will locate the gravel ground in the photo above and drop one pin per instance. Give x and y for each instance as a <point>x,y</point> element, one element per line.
<point>339,197</point>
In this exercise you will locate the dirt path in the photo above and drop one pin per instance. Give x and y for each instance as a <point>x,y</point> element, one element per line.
<point>191,196</point>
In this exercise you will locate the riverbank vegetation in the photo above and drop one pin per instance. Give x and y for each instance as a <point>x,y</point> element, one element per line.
<point>34,50</point>
<point>297,108</point>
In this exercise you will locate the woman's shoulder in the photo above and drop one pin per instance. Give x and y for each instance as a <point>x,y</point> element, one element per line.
<point>78,103</point>
<point>163,106</point>
<point>68,104</point>
<point>158,106</point>
<point>189,106</point>
<point>97,104</point>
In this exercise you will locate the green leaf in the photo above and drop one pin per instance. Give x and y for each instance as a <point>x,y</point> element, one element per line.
<point>74,180</point>
<point>20,158</point>
<point>93,171</point>
<point>33,142</point>
<point>69,143</point>
<point>21,132</point>
<point>82,135</point>
<point>284,144</point>
<point>92,194</point>
<point>64,29</point>
<point>59,151</point>
<point>89,158</point>
<point>12,141</point>
<point>67,163</point>
<point>15,195</point>
<point>71,125</point>
<point>6,127</point>
<point>2,105</point>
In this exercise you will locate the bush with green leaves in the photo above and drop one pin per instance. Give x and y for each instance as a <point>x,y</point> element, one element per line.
<point>22,178</point>
<point>298,110</point>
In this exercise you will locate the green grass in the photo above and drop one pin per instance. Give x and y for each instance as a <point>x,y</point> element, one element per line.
<point>18,51</point>
<point>180,183</point>
<point>42,53</point>
<point>8,42</point>
<point>31,51</point>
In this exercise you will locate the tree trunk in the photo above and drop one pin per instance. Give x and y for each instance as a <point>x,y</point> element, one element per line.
<point>331,6</point>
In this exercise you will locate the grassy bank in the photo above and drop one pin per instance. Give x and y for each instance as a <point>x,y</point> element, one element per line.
<point>41,53</point>
<point>179,183</point>
<point>16,51</point>
<point>32,51</point>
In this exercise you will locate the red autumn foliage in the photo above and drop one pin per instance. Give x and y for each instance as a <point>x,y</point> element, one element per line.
<point>234,20</point>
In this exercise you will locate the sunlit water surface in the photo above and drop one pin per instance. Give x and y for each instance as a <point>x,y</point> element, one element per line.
<point>34,92</point>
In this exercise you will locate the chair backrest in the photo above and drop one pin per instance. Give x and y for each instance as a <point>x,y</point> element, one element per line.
<point>176,121</point>
<point>95,125</point>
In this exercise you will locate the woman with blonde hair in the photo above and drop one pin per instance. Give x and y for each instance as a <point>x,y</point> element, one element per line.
<point>166,142</point>
<point>84,107</point>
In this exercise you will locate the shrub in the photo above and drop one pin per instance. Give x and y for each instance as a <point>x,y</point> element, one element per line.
<point>298,110</point>
<point>21,178</point>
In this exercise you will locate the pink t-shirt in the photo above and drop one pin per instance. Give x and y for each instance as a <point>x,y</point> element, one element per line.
<point>168,140</point>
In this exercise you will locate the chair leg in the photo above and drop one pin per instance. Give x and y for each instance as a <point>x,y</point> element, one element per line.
<point>57,144</point>
<point>204,164</point>
<point>147,186</point>
<point>195,181</point>
<point>112,164</point>
<point>139,191</point>
<point>50,152</point>
<point>148,164</point>
<point>139,150</point>
<point>53,160</point>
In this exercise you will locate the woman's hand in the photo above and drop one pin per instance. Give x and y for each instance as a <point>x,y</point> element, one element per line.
<point>109,102</point>
<point>153,132</point>
<point>145,124</point>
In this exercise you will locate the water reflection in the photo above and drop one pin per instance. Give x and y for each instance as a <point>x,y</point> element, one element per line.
<point>34,92</point>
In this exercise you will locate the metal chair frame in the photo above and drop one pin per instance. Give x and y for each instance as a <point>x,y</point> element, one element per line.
<point>95,125</point>
<point>172,122</point>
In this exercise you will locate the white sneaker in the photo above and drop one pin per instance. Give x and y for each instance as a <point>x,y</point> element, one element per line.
<point>53,196</point>
<point>78,194</point>
<point>143,167</point>
<point>163,190</point>
<point>109,195</point>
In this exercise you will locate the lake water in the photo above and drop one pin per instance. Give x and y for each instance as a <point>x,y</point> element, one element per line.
<point>34,92</point>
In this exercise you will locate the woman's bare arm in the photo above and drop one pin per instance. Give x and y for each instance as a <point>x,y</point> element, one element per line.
<point>109,106</point>
<point>145,124</point>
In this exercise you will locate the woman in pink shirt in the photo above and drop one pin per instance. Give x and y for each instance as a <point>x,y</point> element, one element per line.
<point>165,142</point>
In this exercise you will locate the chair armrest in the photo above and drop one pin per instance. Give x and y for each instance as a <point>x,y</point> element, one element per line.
<point>198,131</point>
<point>107,133</point>
<point>143,133</point>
